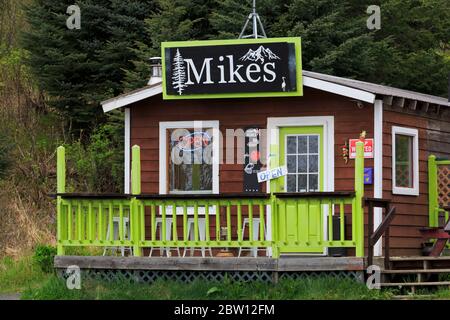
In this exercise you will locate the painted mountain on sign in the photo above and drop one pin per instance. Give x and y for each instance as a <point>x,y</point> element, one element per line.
<point>260,54</point>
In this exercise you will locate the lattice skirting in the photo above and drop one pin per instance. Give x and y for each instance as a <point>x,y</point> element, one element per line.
<point>150,276</point>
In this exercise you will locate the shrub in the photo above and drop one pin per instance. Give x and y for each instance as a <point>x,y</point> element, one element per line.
<point>43,257</point>
<point>97,166</point>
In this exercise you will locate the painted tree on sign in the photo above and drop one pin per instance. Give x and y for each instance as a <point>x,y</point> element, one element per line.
<point>179,73</point>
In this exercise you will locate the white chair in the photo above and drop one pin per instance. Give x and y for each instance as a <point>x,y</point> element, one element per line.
<point>256,222</point>
<point>158,222</point>
<point>115,226</point>
<point>201,235</point>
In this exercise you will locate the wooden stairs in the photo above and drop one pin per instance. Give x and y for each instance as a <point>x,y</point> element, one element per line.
<point>408,274</point>
<point>429,271</point>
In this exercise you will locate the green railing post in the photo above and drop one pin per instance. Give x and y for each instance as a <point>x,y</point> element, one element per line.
<point>136,170</point>
<point>359,194</point>
<point>60,188</point>
<point>135,203</point>
<point>432,192</point>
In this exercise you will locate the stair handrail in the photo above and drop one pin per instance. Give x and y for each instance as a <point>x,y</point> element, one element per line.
<point>383,228</point>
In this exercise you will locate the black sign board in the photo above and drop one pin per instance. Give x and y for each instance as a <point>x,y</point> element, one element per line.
<point>252,160</point>
<point>240,68</point>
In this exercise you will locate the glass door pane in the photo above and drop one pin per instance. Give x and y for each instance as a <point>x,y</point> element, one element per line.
<point>302,159</point>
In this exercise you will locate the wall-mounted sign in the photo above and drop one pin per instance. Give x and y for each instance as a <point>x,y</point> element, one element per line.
<point>368,175</point>
<point>252,160</point>
<point>368,148</point>
<point>272,174</point>
<point>232,68</point>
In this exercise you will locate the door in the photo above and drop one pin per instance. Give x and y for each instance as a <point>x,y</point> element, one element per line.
<point>301,151</point>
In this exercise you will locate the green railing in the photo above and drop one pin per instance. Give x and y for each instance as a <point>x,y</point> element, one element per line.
<point>438,190</point>
<point>139,221</point>
<point>210,221</point>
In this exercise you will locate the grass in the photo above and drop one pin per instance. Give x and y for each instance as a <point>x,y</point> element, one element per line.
<point>307,289</point>
<point>17,275</point>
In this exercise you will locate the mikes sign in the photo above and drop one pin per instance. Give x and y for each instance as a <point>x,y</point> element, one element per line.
<point>232,68</point>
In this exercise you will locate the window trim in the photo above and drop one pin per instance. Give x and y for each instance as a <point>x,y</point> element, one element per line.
<point>163,127</point>
<point>414,191</point>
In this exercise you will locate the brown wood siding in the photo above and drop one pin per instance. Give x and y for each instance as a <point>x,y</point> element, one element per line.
<point>412,211</point>
<point>234,114</point>
<point>349,121</point>
<point>434,137</point>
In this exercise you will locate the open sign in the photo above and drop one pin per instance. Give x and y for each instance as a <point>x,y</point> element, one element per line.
<point>272,174</point>
<point>368,148</point>
<point>193,141</point>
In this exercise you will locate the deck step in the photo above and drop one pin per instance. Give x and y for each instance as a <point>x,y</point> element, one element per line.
<point>414,271</point>
<point>420,258</point>
<point>416,284</point>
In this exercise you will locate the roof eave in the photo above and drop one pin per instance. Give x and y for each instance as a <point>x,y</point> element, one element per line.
<point>147,92</point>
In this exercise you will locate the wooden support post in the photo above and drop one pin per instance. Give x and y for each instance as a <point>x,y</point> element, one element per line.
<point>433,213</point>
<point>359,194</point>
<point>369,234</point>
<point>135,204</point>
<point>60,188</point>
<point>387,245</point>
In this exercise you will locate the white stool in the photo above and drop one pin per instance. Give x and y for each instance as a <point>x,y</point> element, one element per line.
<point>115,226</point>
<point>256,222</point>
<point>201,234</point>
<point>159,221</point>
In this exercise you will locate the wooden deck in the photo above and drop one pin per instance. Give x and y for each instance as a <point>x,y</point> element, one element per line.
<point>283,264</point>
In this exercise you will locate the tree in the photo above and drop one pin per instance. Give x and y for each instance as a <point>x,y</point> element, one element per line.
<point>408,52</point>
<point>80,68</point>
<point>173,20</point>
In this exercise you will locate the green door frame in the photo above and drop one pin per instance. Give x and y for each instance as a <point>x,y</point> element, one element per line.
<point>302,130</point>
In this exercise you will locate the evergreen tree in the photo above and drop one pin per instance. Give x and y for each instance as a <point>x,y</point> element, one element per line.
<point>408,52</point>
<point>174,20</point>
<point>80,68</point>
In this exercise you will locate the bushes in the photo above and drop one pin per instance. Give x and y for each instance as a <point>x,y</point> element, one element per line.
<point>97,166</point>
<point>43,257</point>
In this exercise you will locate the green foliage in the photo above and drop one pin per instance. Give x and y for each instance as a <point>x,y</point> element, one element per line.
<point>97,166</point>
<point>410,51</point>
<point>43,257</point>
<point>174,20</point>
<point>309,289</point>
<point>80,68</point>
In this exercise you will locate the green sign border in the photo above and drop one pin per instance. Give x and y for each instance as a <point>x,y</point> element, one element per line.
<point>295,40</point>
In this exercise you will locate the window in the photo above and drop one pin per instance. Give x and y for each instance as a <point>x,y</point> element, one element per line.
<point>405,161</point>
<point>188,157</point>
<point>189,168</point>
<point>302,159</point>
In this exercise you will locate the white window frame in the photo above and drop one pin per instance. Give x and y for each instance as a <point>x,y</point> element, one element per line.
<point>414,191</point>
<point>197,125</point>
